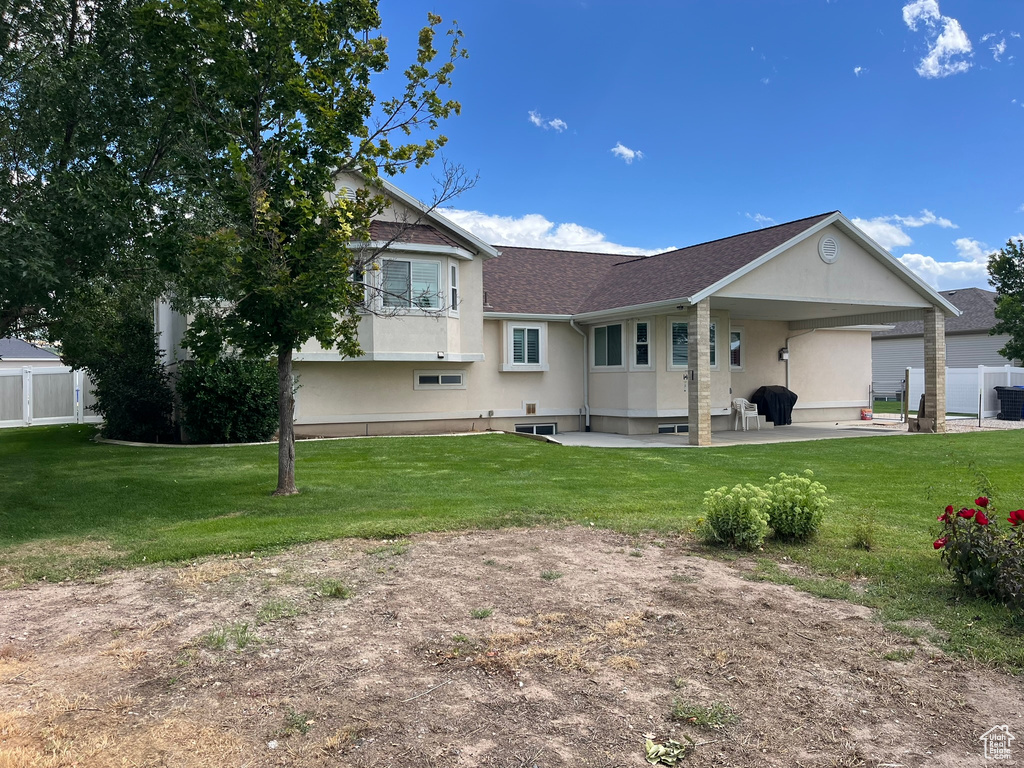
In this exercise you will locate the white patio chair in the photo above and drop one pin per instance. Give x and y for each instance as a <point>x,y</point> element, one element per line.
<point>742,410</point>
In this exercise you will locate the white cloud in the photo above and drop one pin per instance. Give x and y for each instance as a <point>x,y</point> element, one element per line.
<point>542,122</point>
<point>858,70</point>
<point>889,231</point>
<point>883,232</point>
<point>1021,209</point>
<point>535,231</point>
<point>765,81</point>
<point>627,154</point>
<point>761,220</point>
<point>998,50</point>
<point>949,48</point>
<point>967,270</point>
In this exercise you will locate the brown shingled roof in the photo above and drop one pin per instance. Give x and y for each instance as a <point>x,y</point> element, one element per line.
<point>423,234</point>
<point>537,281</point>
<point>977,305</point>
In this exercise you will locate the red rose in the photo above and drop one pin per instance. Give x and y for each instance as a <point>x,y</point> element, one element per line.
<point>981,518</point>
<point>940,543</point>
<point>1016,517</point>
<point>967,513</point>
<point>981,501</point>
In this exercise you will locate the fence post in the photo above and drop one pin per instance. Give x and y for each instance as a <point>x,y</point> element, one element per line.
<point>26,391</point>
<point>77,384</point>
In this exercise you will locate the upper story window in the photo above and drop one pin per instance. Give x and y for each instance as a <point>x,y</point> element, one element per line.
<point>411,283</point>
<point>680,345</point>
<point>608,346</point>
<point>453,270</point>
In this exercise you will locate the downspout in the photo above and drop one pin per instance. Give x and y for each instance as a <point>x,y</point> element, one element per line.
<point>586,377</point>
<point>805,333</point>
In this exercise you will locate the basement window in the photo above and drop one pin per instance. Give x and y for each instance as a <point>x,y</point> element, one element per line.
<point>440,380</point>
<point>537,429</point>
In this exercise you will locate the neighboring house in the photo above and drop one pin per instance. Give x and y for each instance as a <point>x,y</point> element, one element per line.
<point>968,342</point>
<point>468,336</point>
<point>15,353</point>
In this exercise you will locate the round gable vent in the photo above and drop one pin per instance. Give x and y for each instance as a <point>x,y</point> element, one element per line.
<point>828,248</point>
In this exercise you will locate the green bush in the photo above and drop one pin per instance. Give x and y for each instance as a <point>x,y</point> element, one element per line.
<point>131,385</point>
<point>737,517</point>
<point>232,400</point>
<point>798,505</point>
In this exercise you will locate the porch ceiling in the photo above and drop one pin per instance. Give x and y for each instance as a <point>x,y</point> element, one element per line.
<point>814,314</point>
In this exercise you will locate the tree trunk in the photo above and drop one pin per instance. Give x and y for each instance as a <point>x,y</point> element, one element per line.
<point>286,425</point>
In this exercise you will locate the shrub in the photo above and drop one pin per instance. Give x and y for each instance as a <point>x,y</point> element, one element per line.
<point>798,505</point>
<point>131,385</point>
<point>232,400</point>
<point>737,517</point>
<point>985,559</point>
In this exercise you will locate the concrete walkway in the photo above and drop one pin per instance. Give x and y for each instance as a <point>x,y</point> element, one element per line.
<point>828,430</point>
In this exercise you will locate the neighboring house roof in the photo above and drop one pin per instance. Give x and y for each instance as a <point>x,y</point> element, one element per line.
<point>16,349</point>
<point>383,231</point>
<point>978,315</point>
<point>538,281</point>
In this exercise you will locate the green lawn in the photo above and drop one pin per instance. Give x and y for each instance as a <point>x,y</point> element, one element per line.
<point>70,507</point>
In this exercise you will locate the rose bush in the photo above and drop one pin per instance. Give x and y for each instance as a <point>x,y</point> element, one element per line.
<point>984,558</point>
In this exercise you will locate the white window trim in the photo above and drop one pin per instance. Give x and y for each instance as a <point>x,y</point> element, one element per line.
<point>450,372</point>
<point>623,339</point>
<point>507,365</point>
<point>668,333</point>
<point>634,365</point>
<point>453,306</point>
<point>442,296</point>
<point>743,353</point>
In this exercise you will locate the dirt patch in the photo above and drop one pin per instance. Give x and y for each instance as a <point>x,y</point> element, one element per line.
<point>507,648</point>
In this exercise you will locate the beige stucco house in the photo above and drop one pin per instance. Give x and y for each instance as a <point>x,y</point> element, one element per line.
<point>461,335</point>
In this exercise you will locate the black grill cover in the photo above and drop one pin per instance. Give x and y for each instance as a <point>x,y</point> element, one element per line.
<point>775,404</point>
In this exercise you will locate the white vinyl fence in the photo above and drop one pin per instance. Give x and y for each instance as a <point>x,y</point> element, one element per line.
<point>969,389</point>
<point>50,395</point>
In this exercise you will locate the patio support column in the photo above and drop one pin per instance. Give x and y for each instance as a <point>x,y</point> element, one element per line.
<point>699,373</point>
<point>935,368</point>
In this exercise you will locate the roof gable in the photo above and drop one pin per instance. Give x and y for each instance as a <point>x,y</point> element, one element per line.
<point>683,273</point>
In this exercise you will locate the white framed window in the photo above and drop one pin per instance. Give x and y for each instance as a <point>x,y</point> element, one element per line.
<point>608,346</point>
<point>537,429</point>
<point>453,288</point>
<point>643,354</point>
<point>679,345</point>
<point>410,284</point>
<point>736,349</point>
<point>525,347</point>
<point>439,379</point>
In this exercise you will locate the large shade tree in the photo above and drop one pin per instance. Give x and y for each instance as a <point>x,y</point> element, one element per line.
<point>87,159</point>
<point>278,97</point>
<point>1006,274</point>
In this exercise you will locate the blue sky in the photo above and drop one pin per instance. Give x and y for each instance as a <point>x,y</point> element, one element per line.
<point>617,126</point>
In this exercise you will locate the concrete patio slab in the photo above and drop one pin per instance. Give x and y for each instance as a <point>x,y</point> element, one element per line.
<point>793,433</point>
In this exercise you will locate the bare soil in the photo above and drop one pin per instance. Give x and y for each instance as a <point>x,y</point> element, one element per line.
<point>507,648</point>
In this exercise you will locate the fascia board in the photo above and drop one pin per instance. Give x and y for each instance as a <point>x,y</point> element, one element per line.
<point>896,266</point>
<point>428,248</point>
<point>633,310</point>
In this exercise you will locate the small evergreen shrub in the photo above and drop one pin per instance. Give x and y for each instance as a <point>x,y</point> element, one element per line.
<point>798,505</point>
<point>985,559</point>
<point>737,517</point>
<point>131,385</point>
<point>232,400</point>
